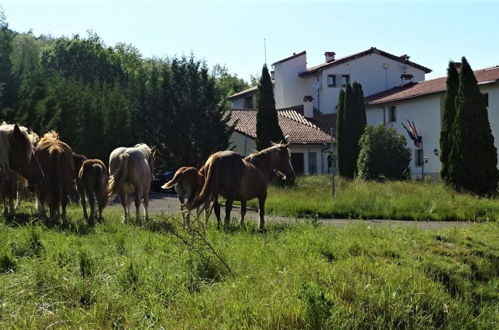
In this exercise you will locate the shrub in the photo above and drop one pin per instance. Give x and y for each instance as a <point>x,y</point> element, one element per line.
<point>383,154</point>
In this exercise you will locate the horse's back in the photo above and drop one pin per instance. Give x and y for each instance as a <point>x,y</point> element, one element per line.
<point>93,174</point>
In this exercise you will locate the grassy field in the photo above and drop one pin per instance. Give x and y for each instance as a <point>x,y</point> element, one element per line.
<point>311,196</point>
<point>303,275</point>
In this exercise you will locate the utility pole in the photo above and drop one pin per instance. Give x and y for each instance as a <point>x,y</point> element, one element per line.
<point>265,50</point>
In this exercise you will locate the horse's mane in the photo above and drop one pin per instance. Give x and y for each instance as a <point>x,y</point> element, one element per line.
<point>144,148</point>
<point>49,136</point>
<point>270,153</point>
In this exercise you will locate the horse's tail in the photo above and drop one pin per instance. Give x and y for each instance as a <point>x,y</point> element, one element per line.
<point>117,180</point>
<point>179,175</point>
<point>211,183</point>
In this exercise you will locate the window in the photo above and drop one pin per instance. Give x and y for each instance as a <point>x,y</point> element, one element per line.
<point>312,163</point>
<point>486,99</point>
<point>297,162</point>
<point>248,102</point>
<point>331,80</point>
<point>345,79</point>
<point>392,113</point>
<point>418,157</point>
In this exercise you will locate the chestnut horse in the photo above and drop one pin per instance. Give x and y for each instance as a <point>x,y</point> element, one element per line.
<point>130,170</point>
<point>17,163</point>
<point>236,178</point>
<point>56,160</point>
<point>92,182</point>
<point>188,183</point>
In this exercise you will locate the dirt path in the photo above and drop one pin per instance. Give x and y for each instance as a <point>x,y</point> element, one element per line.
<point>169,204</point>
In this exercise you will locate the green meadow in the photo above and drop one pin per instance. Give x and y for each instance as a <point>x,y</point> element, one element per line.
<point>406,200</point>
<point>300,275</point>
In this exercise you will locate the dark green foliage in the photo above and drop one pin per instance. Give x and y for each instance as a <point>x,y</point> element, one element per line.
<point>449,115</point>
<point>99,97</point>
<point>383,155</point>
<point>7,262</point>
<point>352,124</point>
<point>340,140</point>
<point>473,157</point>
<point>267,124</point>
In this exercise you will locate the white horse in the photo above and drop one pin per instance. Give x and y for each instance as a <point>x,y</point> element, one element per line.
<point>130,170</point>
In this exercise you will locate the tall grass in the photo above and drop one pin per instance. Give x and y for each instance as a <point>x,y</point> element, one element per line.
<point>292,276</point>
<point>312,196</point>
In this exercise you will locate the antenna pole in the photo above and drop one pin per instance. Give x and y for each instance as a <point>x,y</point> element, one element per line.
<point>265,50</point>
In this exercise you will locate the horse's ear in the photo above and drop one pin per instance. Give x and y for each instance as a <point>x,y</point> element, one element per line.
<point>153,150</point>
<point>17,130</point>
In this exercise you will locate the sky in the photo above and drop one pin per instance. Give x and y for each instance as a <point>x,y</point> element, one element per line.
<point>232,33</point>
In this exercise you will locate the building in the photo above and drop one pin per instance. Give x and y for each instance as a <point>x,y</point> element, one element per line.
<point>422,104</point>
<point>310,139</point>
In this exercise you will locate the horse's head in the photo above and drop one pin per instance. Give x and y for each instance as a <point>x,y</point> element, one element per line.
<point>152,159</point>
<point>78,161</point>
<point>22,158</point>
<point>283,162</point>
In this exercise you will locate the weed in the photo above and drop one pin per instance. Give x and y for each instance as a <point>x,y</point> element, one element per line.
<point>318,305</point>
<point>86,264</point>
<point>7,262</point>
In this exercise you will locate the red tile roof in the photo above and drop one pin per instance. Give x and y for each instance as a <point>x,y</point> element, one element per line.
<point>299,129</point>
<point>372,50</point>
<point>438,85</point>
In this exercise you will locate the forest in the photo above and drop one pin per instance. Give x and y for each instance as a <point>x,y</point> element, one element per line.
<point>100,97</point>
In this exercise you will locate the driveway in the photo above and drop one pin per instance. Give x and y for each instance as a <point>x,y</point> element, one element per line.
<point>169,204</point>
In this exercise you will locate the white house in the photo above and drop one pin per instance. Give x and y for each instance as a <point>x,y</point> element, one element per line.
<point>422,104</point>
<point>306,99</point>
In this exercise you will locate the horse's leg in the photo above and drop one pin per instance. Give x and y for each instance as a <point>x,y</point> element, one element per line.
<point>207,211</point>
<point>243,212</point>
<point>261,206</point>
<point>124,203</point>
<point>64,203</point>
<point>91,201</point>
<point>39,202</point>
<point>216,208</point>
<point>83,203</point>
<point>182,207</point>
<point>137,206</point>
<point>101,200</point>
<point>228,208</point>
<point>146,205</point>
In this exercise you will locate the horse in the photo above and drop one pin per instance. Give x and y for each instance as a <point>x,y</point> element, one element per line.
<point>56,160</point>
<point>92,182</point>
<point>130,170</point>
<point>234,177</point>
<point>17,160</point>
<point>188,182</point>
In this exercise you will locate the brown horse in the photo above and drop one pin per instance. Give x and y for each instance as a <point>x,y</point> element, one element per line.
<point>236,178</point>
<point>92,182</point>
<point>130,170</point>
<point>12,186</point>
<point>188,183</point>
<point>56,160</point>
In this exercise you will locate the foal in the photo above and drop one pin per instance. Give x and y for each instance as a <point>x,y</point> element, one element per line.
<point>92,182</point>
<point>188,182</point>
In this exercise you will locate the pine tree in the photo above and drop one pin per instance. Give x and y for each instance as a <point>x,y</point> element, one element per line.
<point>351,140</point>
<point>267,124</point>
<point>448,118</point>
<point>473,158</point>
<point>340,140</point>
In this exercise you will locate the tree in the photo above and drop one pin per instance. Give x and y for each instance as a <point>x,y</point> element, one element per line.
<point>448,118</point>
<point>383,154</point>
<point>267,124</point>
<point>227,83</point>
<point>340,140</point>
<point>473,157</point>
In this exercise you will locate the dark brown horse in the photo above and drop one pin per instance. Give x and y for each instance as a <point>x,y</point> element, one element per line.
<point>17,160</point>
<point>92,182</point>
<point>56,160</point>
<point>188,183</point>
<point>236,178</point>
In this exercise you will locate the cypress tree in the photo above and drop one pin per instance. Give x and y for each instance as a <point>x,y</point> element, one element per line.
<point>349,134</point>
<point>267,124</point>
<point>340,140</point>
<point>473,158</point>
<point>449,115</point>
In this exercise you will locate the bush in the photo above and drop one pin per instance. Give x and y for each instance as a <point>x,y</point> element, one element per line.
<point>383,154</point>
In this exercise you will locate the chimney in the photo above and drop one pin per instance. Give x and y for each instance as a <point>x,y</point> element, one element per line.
<point>404,57</point>
<point>329,56</point>
<point>308,106</point>
<point>272,75</point>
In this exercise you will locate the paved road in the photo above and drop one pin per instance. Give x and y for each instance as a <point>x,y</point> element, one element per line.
<point>169,204</point>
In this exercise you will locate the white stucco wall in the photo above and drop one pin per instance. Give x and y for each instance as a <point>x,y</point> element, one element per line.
<point>288,88</point>
<point>426,114</point>
<point>242,144</point>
